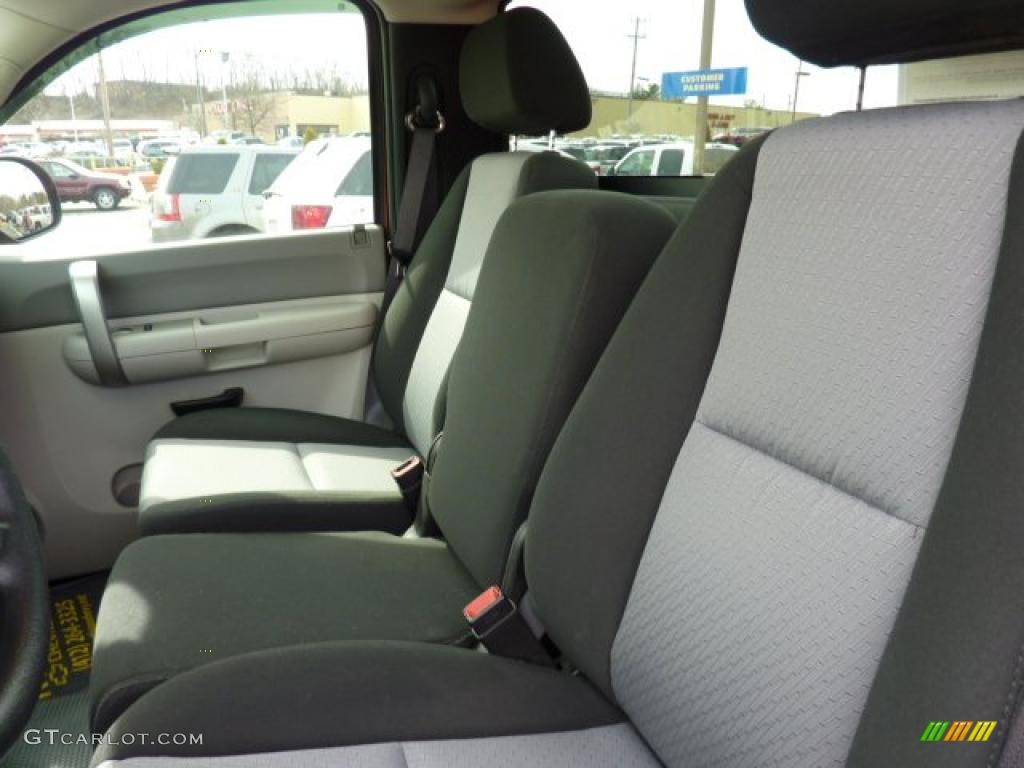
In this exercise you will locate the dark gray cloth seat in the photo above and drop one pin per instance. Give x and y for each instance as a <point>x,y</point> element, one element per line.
<point>223,472</point>
<point>782,525</point>
<point>546,306</point>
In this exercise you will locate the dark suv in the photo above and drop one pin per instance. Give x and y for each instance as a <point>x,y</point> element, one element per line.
<point>78,184</point>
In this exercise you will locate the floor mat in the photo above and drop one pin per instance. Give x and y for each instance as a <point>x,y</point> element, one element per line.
<point>63,703</point>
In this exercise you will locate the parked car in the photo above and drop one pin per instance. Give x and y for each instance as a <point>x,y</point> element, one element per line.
<point>223,137</point>
<point>329,185</point>
<point>32,218</point>
<point>675,159</point>
<point>209,191</point>
<point>84,147</point>
<point>158,148</point>
<point>123,149</point>
<point>78,184</point>
<point>34,149</point>
<point>292,141</point>
<point>740,136</point>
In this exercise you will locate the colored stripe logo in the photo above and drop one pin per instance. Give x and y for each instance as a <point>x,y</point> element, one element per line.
<point>959,730</point>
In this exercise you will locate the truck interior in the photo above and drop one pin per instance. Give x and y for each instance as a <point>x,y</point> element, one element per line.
<point>585,428</point>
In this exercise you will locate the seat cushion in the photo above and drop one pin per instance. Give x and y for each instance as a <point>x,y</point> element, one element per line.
<point>382,693</point>
<point>277,425</point>
<point>177,602</point>
<point>266,469</point>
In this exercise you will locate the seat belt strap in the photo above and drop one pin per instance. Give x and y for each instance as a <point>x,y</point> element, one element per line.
<point>419,192</point>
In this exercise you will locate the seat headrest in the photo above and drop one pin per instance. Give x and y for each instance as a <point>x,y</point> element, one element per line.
<point>519,76</point>
<point>861,32</point>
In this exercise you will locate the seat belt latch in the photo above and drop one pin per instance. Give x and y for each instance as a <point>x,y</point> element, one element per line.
<point>495,621</point>
<point>408,477</point>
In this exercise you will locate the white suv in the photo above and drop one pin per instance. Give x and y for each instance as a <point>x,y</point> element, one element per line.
<point>329,185</point>
<point>209,191</point>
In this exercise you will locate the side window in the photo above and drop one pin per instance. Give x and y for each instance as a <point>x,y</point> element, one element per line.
<point>58,171</point>
<point>671,162</point>
<point>360,179</point>
<point>639,163</point>
<point>202,173</point>
<point>174,120</point>
<point>265,171</point>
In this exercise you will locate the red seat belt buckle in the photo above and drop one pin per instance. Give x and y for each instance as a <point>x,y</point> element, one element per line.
<point>408,472</point>
<point>482,604</point>
<point>487,611</point>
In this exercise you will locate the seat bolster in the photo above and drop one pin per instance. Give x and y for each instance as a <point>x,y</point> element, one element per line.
<point>276,425</point>
<point>282,512</point>
<point>341,694</point>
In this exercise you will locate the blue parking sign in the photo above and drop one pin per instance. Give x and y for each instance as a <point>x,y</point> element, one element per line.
<point>704,82</point>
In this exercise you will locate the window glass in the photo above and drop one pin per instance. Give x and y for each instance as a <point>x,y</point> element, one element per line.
<point>636,163</point>
<point>642,61</point>
<point>360,179</point>
<point>267,168</point>
<point>671,162</point>
<point>203,173</point>
<point>208,106</point>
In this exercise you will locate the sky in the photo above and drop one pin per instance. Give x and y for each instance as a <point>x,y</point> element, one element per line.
<point>672,30</point>
<point>335,42</point>
<point>17,180</point>
<point>599,33</point>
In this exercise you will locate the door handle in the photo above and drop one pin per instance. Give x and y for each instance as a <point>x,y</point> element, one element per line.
<point>229,398</point>
<point>85,286</point>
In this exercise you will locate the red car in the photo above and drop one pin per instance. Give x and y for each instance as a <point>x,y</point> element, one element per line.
<point>78,184</point>
<point>740,136</point>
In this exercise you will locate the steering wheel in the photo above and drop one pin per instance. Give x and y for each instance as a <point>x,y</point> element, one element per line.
<point>24,609</point>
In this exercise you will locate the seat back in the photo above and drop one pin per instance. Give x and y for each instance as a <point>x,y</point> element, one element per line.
<point>424,322</point>
<point>561,271</point>
<point>751,554</point>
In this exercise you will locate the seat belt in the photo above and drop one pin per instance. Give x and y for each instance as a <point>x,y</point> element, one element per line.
<point>419,192</point>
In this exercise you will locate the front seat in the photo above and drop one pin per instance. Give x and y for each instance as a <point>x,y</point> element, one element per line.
<point>260,469</point>
<point>782,526</point>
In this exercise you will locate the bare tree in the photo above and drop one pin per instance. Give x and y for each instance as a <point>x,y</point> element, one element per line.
<point>254,99</point>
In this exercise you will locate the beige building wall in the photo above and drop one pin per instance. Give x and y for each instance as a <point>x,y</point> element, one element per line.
<point>652,117</point>
<point>343,114</point>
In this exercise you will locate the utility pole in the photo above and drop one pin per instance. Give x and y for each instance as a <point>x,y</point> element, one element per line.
<point>796,88</point>
<point>700,135</point>
<point>74,120</point>
<point>637,37</point>
<point>108,134</point>
<point>200,98</point>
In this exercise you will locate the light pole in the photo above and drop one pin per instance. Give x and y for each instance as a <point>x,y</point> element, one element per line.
<point>796,88</point>
<point>700,135</point>
<point>200,98</point>
<point>224,57</point>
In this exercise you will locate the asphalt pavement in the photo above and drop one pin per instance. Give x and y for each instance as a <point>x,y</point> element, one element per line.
<point>86,231</point>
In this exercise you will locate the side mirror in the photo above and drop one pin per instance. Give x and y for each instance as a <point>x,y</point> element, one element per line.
<point>29,205</point>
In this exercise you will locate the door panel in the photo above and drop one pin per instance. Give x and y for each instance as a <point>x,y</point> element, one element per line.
<point>197,275</point>
<point>237,296</point>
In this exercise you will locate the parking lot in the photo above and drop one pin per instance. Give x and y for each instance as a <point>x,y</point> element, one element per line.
<point>85,231</point>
